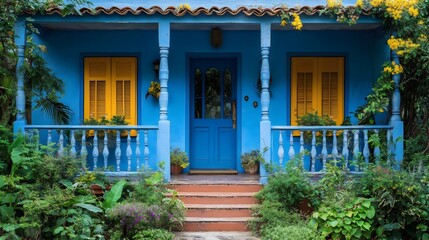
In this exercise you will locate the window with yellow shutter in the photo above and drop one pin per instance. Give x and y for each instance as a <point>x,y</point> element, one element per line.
<point>110,87</point>
<point>317,86</point>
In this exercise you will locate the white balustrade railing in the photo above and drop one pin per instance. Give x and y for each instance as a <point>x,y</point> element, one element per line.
<point>324,144</point>
<point>92,143</point>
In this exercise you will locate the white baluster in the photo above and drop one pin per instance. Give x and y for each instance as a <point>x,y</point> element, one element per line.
<point>389,148</point>
<point>334,147</point>
<point>138,153</point>
<point>37,138</point>
<point>105,150</point>
<point>61,144</point>
<point>356,149</point>
<point>377,152</point>
<point>313,152</point>
<point>83,151</point>
<point>301,148</point>
<point>73,144</point>
<point>118,151</point>
<point>324,151</point>
<point>365,146</point>
<point>280,152</point>
<point>146,149</point>
<point>291,149</point>
<point>95,150</point>
<point>49,136</point>
<point>345,151</point>
<point>129,151</point>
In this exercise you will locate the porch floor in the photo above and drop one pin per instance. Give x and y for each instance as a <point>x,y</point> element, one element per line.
<point>215,179</point>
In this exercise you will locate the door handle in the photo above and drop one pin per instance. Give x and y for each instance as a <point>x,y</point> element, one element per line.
<point>234,114</point>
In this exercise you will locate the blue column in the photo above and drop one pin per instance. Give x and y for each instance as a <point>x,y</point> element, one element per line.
<point>395,119</point>
<point>265,124</point>
<point>19,124</point>
<point>163,144</point>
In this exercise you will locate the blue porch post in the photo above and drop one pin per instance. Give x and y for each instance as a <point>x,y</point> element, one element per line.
<point>19,124</point>
<point>265,124</point>
<point>395,119</point>
<point>163,144</point>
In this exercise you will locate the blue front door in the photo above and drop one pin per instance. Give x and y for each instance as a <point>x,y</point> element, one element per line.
<point>213,113</point>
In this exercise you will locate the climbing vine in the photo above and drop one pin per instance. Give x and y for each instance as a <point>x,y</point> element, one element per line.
<point>407,23</point>
<point>41,85</point>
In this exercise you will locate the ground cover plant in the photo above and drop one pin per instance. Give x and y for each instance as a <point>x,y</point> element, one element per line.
<point>380,203</point>
<point>47,196</point>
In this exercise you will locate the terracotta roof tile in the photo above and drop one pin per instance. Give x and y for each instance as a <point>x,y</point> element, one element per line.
<point>259,12</point>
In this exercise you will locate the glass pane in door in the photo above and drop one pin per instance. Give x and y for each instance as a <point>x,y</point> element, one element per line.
<point>212,93</point>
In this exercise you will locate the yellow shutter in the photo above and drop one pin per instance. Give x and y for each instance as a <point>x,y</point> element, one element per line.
<point>96,87</point>
<point>304,92</point>
<point>124,85</point>
<point>331,87</point>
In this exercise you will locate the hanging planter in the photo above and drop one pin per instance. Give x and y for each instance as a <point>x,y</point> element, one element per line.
<point>154,90</point>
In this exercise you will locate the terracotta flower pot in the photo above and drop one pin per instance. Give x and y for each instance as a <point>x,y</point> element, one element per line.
<point>98,190</point>
<point>252,170</point>
<point>175,169</point>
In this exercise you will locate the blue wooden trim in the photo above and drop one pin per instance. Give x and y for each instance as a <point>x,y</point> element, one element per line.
<point>20,40</point>
<point>93,127</point>
<point>321,128</point>
<point>154,19</point>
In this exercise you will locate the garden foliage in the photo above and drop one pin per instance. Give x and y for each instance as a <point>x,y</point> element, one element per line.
<point>46,196</point>
<point>380,203</point>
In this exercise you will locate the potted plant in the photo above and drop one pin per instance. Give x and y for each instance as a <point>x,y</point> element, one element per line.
<point>250,161</point>
<point>154,89</point>
<point>178,161</point>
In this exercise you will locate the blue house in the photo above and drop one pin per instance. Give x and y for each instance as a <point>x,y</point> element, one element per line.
<point>232,80</point>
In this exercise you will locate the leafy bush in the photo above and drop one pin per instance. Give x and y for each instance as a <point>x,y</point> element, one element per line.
<point>349,219</point>
<point>402,201</point>
<point>290,187</point>
<point>134,217</point>
<point>147,207</point>
<point>154,234</point>
<point>288,194</point>
<point>313,119</point>
<point>292,232</point>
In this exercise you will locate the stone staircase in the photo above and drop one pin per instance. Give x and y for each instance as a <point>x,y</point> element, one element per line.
<point>217,206</point>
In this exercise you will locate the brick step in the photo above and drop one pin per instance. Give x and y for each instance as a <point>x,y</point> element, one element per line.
<point>211,199</point>
<point>196,224</point>
<point>216,187</point>
<point>219,210</point>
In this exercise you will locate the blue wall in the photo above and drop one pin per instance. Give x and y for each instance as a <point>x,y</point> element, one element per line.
<point>364,51</point>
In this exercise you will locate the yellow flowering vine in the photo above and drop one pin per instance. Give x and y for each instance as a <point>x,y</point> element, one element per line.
<point>296,22</point>
<point>334,3</point>
<point>183,6</point>
<point>402,46</point>
<point>393,68</point>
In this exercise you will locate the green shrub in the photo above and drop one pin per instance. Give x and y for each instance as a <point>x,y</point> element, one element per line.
<point>154,234</point>
<point>134,217</point>
<point>349,219</point>
<point>290,233</point>
<point>402,200</point>
<point>290,187</point>
<point>270,214</point>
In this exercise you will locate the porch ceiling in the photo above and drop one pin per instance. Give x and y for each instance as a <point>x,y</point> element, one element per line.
<point>197,26</point>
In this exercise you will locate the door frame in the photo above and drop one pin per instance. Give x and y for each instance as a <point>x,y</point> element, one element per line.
<point>237,57</point>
